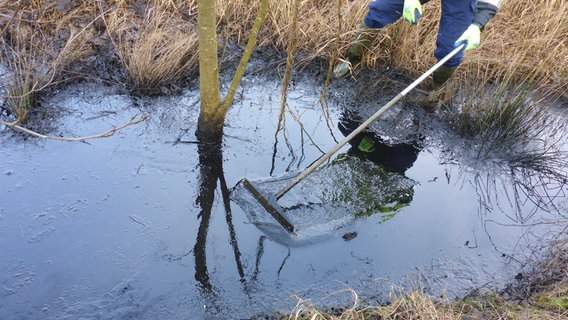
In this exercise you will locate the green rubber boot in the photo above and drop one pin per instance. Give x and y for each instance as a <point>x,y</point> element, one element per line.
<point>360,45</point>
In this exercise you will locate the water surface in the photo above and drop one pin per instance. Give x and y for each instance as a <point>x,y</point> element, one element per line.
<point>142,225</point>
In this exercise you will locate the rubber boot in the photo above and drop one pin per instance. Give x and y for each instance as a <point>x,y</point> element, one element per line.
<point>439,77</point>
<point>360,45</point>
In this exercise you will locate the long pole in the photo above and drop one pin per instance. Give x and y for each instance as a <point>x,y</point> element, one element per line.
<point>365,124</point>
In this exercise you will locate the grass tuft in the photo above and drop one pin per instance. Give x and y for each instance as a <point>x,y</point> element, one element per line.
<point>157,52</point>
<point>20,98</point>
<point>543,297</point>
<point>39,43</point>
<point>511,119</point>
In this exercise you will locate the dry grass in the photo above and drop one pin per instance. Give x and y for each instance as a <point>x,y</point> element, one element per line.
<point>529,38</point>
<point>156,41</point>
<point>544,297</point>
<point>156,47</point>
<point>402,306</point>
<point>38,44</point>
<point>525,37</point>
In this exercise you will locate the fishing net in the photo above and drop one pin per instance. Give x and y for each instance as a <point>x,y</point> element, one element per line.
<point>330,198</point>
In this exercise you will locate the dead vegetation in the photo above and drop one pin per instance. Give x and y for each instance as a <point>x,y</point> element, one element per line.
<point>156,46</point>
<point>49,42</point>
<point>38,46</point>
<point>542,296</point>
<point>526,37</point>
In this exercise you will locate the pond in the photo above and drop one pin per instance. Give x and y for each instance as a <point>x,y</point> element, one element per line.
<point>147,224</point>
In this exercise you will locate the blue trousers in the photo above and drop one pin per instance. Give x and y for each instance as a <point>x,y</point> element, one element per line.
<point>457,16</point>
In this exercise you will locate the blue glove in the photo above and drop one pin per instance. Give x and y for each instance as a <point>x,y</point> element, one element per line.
<point>471,36</point>
<point>412,11</point>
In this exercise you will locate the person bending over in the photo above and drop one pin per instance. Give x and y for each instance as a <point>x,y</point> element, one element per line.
<point>461,21</point>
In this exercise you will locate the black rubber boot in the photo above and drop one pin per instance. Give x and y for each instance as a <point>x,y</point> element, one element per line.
<point>360,45</point>
<point>439,77</point>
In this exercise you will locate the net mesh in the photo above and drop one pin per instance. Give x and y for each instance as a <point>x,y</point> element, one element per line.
<point>329,199</point>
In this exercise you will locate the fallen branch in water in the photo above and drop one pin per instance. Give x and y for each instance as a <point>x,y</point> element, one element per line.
<point>133,121</point>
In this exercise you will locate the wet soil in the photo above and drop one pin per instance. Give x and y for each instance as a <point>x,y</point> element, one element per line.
<point>147,224</point>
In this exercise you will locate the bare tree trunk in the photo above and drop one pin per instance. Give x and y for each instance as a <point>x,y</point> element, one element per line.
<point>213,111</point>
<point>211,116</point>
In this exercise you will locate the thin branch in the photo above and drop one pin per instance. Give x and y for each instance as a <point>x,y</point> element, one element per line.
<point>20,5</point>
<point>304,130</point>
<point>292,44</point>
<point>133,121</point>
<point>264,6</point>
<point>334,54</point>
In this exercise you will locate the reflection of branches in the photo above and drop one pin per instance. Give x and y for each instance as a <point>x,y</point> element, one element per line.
<point>327,117</point>
<point>229,218</point>
<point>259,253</point>
<point>521,196</point>
<point>525,237</point>
<point>283,262</point>
<point>526,192</point>
<point>304,130</point>
<point>281,126</point>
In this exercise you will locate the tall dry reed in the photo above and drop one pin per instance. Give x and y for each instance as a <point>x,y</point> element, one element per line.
<point>526,36</point>
<point>39,43</point>
<point>156,41</point>
<point>155,45</point>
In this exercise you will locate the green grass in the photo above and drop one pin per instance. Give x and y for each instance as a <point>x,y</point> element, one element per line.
<point>511,120</point>
<point>20,98</point>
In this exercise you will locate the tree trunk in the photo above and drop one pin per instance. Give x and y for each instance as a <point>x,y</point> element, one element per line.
<point>213,111</point>
<point>211,116</point>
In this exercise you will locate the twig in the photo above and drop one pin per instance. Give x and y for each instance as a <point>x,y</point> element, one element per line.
<point>20,5</point>
<point>133,121</point>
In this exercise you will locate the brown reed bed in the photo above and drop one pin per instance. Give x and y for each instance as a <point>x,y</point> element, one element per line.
<point>38,45</point>
<point>526,37</point>
<point>156,40</point>
<point>156,45</point>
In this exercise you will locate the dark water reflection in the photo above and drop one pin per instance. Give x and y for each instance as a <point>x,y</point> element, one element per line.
<point>211,177</point>
<point>211,171</point>
<point>398,156</point>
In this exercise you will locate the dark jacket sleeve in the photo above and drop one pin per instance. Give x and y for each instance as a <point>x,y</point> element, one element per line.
<point>484,11</point>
